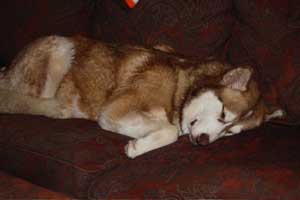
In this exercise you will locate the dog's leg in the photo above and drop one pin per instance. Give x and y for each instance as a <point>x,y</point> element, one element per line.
<point>276,114</point>
<point>166,135</point>
<point>39,69</point>
<point>59,63</point>
<point>139,124</point>
<point>124,115</point>
<point>256,119</point>
<point>121,117</point>
<point>151,131</point>
<point>12,102</point>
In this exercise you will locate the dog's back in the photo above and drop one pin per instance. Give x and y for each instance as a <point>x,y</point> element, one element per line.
<point>102,72</point>
<point>83,74</point>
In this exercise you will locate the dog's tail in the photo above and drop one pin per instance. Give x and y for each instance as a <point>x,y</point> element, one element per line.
<point>164,48</point>
<point>3,68</point>
<point>13,102</point>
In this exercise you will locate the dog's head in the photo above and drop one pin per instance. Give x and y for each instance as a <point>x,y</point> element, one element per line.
<point>212,108</point>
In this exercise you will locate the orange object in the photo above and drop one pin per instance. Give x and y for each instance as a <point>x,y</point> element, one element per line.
<point>131,3</point>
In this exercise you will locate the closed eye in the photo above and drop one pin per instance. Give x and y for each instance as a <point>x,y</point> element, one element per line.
<point>222,116</point>
<point>193,122</point>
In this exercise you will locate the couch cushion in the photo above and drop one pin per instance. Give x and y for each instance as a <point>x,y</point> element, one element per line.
<point>78,158</point>
<point>15,188</point>
<point>259,164</point>
<point>62,155</point>
<point>196,28</point>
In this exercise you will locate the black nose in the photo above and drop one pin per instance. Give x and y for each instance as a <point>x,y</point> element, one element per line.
<point>203,139</point>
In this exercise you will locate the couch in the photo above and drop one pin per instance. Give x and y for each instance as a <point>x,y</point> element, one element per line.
<point>75,158</point>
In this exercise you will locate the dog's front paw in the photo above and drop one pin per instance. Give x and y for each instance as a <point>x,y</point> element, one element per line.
<point>234,130</point>
<point>131,149</point>
<point>276,114</point>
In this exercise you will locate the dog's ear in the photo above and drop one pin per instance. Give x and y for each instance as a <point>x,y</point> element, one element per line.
<point>164,48</point>
<point>237,78</point>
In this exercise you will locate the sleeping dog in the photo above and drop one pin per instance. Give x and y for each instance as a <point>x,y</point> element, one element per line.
<point>147,94</point>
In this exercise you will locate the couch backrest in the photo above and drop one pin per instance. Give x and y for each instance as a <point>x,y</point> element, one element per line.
<point>267,36</point>
<point>196,28</point>
<point>24,20</point>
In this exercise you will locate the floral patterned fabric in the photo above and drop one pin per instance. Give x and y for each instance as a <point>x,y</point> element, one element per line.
<point>78,158</point>
<point>196,28</point>
<point>16,188</point>
<point>63,155</point>
<point>260,164</point>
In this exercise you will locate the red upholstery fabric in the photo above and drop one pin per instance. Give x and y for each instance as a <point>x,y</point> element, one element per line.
<point>16,188</point>
<point>24,20</point>
<point>63,155</point>
<point>267,36</point>
<point>260,164</point>
<point>78,158</point>
<point>195,28</point>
